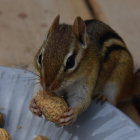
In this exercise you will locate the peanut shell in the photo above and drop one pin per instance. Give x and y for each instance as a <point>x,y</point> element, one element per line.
<point>52,106</point>
<point>40,138</point>
<point>4,135</point>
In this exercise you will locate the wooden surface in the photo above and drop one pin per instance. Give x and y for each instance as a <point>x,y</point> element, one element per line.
<point>24,23</point>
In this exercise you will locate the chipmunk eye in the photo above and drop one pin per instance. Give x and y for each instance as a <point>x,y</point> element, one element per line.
<point>70,62</point>
<point>39,59</point>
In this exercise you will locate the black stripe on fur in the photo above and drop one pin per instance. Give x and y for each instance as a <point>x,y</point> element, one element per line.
<point>88,21</point>
<point>109,35</point>
<point>113,48</point>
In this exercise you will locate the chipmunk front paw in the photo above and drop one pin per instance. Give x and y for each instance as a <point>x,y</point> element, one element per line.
<point>34,108</point>
<point>68,117</point>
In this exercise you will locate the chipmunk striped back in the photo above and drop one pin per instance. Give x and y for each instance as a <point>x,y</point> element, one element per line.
<point>105,38</point>
<point>116,64</point>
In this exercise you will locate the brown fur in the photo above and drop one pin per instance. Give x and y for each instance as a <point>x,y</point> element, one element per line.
<point>94,69</point>
<point>56,48</point>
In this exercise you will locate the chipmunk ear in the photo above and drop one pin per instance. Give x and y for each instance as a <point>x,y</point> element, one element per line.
<point>54,24</point>
<point>79,29</point>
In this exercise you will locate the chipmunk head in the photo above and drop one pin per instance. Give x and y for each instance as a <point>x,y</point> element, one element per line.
<point>60,55</point>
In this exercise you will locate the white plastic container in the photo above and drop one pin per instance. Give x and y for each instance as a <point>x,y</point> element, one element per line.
<point>97,123</point>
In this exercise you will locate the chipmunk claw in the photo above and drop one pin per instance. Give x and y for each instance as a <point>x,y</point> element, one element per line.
<point>100,99</point>
<point>68,117</point>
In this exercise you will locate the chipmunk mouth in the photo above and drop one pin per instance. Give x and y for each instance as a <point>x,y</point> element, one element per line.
<point>54,86</point>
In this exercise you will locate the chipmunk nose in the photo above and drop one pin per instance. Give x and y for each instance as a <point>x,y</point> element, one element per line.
<point>49,86</point>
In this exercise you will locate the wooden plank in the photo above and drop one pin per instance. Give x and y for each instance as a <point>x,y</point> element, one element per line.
<point>24,23</point>
<point>96,10</point>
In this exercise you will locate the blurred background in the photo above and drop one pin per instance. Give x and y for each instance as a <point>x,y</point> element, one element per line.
<point>24,24</point>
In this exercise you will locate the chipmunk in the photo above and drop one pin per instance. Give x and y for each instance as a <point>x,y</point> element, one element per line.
<point>81,61</point>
